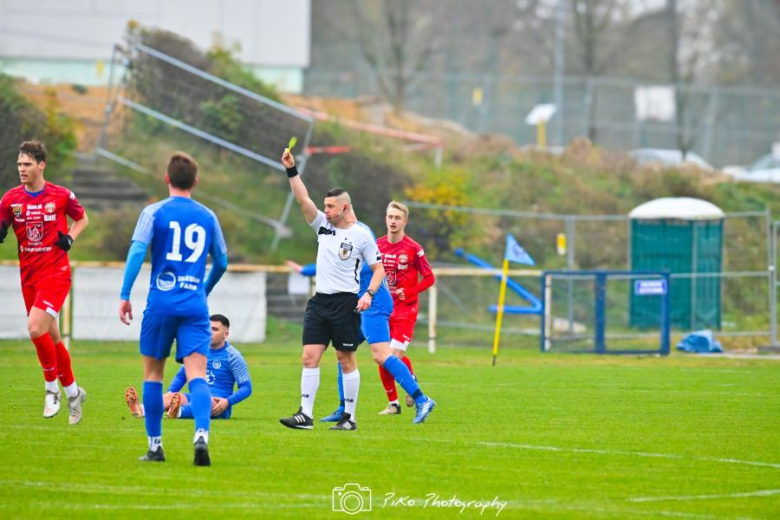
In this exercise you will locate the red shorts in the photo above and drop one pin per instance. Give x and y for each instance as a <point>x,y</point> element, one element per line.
<point>402,326</point>
<point>47,294</point>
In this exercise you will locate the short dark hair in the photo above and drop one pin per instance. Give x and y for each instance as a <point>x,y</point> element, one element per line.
<point>35,149</point>
<point>220,318</point>
<point>182,171</point>
<point>336,192</point>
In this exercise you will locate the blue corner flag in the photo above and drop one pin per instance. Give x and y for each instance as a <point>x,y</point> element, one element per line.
<point>515,253</point>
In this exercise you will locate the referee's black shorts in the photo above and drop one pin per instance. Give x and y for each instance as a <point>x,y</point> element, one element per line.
<point>332,317</point>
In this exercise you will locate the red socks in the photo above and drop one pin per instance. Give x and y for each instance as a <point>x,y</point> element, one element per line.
<point>408,363</point>
<point>47,355</point>
<point>64,371</point>
<point>388,381</point>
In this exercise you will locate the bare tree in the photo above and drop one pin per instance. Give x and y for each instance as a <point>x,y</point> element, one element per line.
<point>748,42</point>
<point>599,39</point>
<point>690,37</point>
<point>395,43</point>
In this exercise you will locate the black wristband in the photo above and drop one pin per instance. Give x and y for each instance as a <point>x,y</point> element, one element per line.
<point>292,172</point>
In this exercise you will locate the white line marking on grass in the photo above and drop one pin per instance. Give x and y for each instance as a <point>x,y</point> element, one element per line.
<point>55,426</point>
<point>627,453</point>
<point>760,493</point>
<point>156,490</point>
<point>535,447</point>
<point>639,512</point>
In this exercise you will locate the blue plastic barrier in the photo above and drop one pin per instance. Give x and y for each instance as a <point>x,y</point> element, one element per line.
<point>536,304</point>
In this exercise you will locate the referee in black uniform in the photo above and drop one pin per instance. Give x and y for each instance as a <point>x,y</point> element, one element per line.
<point>332,314</point>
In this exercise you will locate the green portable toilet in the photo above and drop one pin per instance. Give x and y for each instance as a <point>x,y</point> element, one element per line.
<point>683,236</point>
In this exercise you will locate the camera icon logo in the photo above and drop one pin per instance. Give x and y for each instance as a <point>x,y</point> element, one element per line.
<point>351,499</point>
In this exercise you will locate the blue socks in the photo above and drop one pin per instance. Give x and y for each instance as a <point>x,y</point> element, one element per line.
<point>186,412</point>
<point>153,407</point>
<point>341,386</point>
<point>401,374</point>
<point>201,403</point>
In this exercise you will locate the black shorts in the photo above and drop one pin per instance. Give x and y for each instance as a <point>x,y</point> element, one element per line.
<point>332,317</point>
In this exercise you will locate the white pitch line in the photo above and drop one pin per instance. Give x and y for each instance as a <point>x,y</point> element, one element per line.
<point>761,493</point>
<point>538,447</point>
<point>627,453</point>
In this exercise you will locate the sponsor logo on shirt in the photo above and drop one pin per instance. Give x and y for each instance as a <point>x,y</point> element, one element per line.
<point>50,207</point>
<point>189,282</point>
<point>34,231</point>
<point>17,209</point>
<point>345,250</point>
<point>50,218</point>
<point>166,281</point>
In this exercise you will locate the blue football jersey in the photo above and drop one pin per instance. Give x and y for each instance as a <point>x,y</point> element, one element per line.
<point>181,233</point>
<point>225,369</point>
<point>382,302</point>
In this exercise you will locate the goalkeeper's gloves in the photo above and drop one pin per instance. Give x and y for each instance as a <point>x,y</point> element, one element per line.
<point>64,242</point>
<point>3,231</point>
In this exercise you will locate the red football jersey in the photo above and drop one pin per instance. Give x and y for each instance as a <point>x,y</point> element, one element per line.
<point>404,262</point>
<point>36,221</point>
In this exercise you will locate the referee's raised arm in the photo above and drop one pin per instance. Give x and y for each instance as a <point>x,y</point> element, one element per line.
<point>308,207</point>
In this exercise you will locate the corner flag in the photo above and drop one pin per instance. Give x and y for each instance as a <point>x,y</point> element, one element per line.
<point>515,253</point>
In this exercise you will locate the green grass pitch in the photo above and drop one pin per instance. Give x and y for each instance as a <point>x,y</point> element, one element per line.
<point>552,436</point>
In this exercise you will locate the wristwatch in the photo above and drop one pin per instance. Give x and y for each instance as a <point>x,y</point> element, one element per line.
<point>371,292</point>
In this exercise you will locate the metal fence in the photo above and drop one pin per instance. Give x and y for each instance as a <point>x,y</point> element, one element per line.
<point>725,125</point>
<point>462,314</point>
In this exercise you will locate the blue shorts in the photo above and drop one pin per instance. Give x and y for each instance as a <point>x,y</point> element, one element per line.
<point>374,327</point>
<point>192,335</point>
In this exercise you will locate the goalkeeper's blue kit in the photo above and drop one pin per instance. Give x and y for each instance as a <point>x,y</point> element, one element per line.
<point>226,368</point>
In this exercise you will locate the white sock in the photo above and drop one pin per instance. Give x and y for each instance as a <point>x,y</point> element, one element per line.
<point>351,388</point>
<point>310,382</point>
<point>72,390</point>
<point>155,443</point>
<point>393,402</point>
<point>51,386</point>
<point>201,433</point>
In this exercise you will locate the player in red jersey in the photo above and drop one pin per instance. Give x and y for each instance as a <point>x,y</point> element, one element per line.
<point>38,212</point>
<point>404,262</point>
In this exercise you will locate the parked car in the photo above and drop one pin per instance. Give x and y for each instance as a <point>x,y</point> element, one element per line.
<point>765,169</point>
<point>670,158</point>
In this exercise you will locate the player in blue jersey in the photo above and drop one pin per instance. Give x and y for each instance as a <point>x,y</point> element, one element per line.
<point>226,369</point>
<point>181,233</point>
<point>375,329</point>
